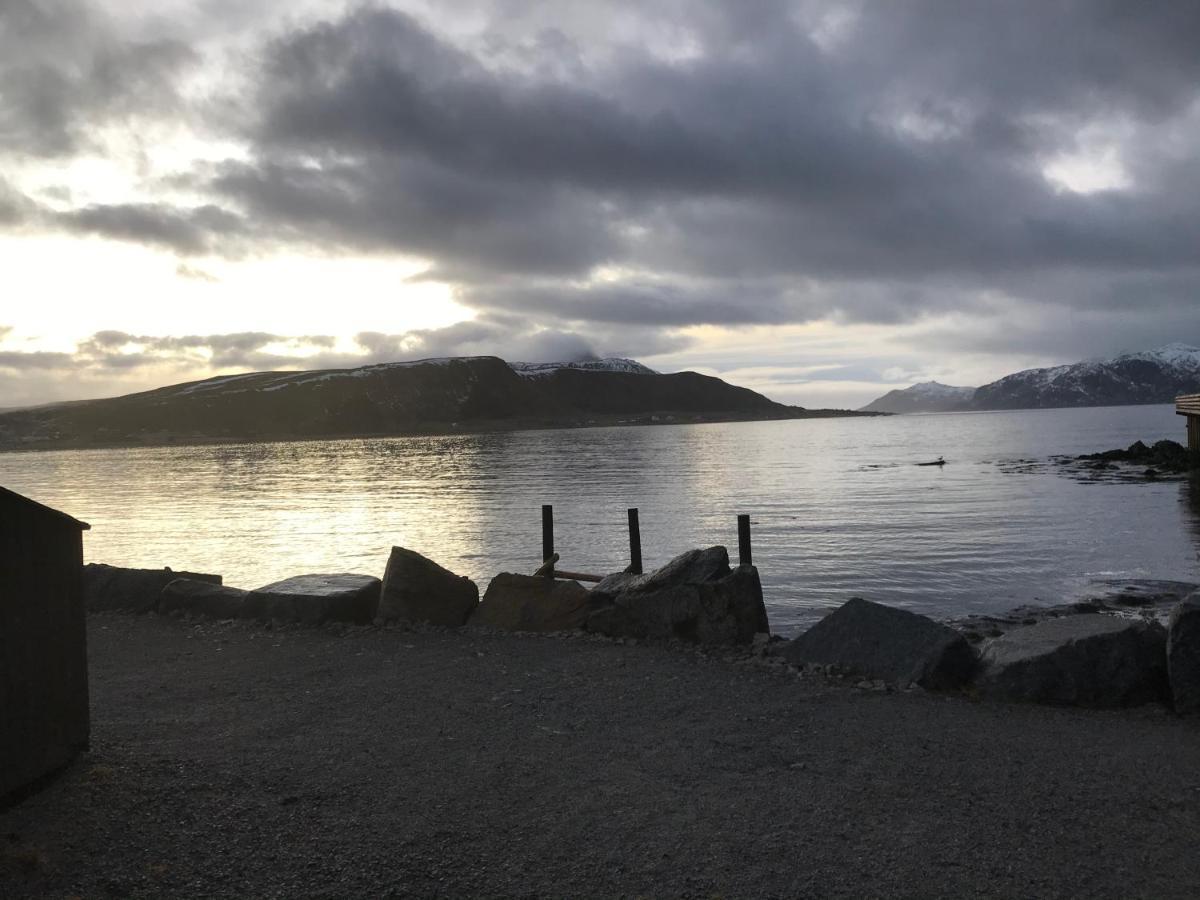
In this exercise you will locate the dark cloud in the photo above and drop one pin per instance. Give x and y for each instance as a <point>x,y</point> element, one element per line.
<point>64,72</point>
<point>15,359</point>
<point>726,163</point>
<point>196,230</point>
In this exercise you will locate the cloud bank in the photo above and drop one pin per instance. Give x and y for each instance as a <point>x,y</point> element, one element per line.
<point>1002,179</point>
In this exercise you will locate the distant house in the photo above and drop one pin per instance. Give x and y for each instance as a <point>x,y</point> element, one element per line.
<point>43,641</point>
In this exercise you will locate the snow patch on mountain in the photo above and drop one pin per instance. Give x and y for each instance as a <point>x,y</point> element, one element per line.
<point>609,364</point>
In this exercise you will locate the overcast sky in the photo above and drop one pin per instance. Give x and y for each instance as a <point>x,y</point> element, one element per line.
<point>819,200</point>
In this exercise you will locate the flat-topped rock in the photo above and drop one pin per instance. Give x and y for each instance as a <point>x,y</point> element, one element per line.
<point>316,599</point>
<point>416,589</point>
<point>113,587</point>
<point>533,603</point>
<point>1083,660</point>
<point>1183,655</point>
<point>201,598</point>
<point>887,643</point>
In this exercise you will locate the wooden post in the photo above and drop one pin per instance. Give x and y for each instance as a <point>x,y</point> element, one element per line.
<point>1193,433</point>
<point>548,534</point>
<point>635,543</point>
<point>744,555</point>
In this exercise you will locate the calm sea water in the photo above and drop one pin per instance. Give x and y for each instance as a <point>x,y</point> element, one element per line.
<point>839,508</point>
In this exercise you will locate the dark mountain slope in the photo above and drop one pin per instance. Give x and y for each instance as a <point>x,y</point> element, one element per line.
<point>474,393</point>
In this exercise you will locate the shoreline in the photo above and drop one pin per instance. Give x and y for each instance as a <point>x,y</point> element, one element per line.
<point>441,429</point>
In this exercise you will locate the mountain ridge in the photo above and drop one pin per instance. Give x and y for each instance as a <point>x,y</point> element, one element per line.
<point>1133,378</point>
<point>434,396</point>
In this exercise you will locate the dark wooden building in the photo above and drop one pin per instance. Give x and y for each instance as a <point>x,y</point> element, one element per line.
<point>1189,405</point>
<point>43,641</point>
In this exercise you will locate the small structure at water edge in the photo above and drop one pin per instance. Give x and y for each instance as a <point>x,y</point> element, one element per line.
<point>1189,405</point>
<point>43,641</point>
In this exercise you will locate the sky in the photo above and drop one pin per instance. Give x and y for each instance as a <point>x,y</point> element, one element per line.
<point>818,200</point>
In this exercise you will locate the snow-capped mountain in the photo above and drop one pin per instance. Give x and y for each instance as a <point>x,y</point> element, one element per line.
<point>928,396</point>
<point>1148,376</point>
<point>608,364</point>
<point>1151,376</point>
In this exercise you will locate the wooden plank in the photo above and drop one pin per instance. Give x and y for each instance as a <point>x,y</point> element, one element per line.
<point>1188,405</point>
<point>577,576</point>
<point>547,568</point>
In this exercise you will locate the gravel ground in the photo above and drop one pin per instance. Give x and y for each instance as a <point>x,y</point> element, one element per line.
<point>230,760</point>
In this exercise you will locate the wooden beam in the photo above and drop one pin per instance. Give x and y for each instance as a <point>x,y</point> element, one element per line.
<point>578,576</point>
<point>547,568</point>
<point>1188,405</point>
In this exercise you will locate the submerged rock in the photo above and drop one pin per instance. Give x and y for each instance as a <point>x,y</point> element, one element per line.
<point>316,599</point>
<point>1183,655</point>
<point>887,643</point>
<point>416,589</point>
<point>202,598</point>
<point>1083,660</point>
<point>533,603</point>
<point>694,597</point>
<point>113,587</point>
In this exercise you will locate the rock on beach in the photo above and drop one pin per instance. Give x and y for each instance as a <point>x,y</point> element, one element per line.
<point>517,602</point>
<point>137,590</point>
<point>202,598</point>
<point>1183,654</point>
<point>887,643</point>
<point>695,597</point>
<point>1084,660</point>
<point>316,599</point>
<point>416,589</point>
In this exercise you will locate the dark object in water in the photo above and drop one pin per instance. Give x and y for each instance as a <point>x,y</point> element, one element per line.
<point>937,462</point>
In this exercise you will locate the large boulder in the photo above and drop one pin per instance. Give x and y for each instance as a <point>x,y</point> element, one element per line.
<point>416,589</point>
<point>694,597</point>
<point>1183,654</point>
<point>202,598</point>
<point>533,603</point>
<point>316,599</point>
<point>113,587</point>
<point>1081,660</point>
<point>886,643</point>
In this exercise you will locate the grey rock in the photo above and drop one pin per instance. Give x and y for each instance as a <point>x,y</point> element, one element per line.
<point>695,597</point>
<point>1084,660</point>
<point>202,598</point>
<point>113,587</point>
<point>316,599</point>
<point>1183,654</point>
<point>883,642</point>
<point>533,603</point>
<point>691,567</point>
<point>416,589</point>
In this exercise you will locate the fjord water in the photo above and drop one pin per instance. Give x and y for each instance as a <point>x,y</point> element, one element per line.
<point>839,508</point>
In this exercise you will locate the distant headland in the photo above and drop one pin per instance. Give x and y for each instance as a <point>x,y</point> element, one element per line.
<point>432,396</point>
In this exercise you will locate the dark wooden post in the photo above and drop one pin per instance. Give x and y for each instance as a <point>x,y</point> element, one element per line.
<point>547,532</point>
<point>744,555</point>
<point>635,543</point>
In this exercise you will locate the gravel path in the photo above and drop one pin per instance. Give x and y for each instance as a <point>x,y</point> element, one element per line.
<point>234,761</point>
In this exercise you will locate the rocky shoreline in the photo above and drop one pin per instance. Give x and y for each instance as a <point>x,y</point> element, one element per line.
<point>1136,643</point>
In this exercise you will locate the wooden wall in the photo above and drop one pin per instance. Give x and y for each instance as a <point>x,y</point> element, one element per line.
<point>43,642</point>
